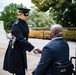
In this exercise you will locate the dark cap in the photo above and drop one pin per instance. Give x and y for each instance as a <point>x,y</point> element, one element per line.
<point>24,11</point>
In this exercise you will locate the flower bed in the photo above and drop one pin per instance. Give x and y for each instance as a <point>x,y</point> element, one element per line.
<point>68,35</point>
<point>39,34</point>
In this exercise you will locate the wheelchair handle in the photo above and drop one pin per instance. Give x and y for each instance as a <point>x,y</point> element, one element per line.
<point>72,58</point>
<point>71,61</point>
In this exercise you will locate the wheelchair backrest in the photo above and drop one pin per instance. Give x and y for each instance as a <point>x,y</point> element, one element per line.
<point>63,69</point>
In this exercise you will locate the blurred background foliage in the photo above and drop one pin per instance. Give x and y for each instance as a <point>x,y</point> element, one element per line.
<point>64,11</point>
<point>44,14</point>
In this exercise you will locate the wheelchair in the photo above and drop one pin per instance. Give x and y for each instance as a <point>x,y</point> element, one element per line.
<point>67,69</point>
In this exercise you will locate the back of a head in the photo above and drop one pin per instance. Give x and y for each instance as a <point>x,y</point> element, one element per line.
<point>58,30</point>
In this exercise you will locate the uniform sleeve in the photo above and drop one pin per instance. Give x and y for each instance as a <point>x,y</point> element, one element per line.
<point>44,63</point>
<point>18,34</point>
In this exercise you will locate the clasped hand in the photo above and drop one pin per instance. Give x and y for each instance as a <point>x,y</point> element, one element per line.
<point>37,51</point>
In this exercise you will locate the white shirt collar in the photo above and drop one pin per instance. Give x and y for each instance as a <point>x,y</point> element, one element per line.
<point>57,38</point>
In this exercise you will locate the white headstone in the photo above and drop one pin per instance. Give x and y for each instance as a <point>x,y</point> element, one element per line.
<point>3,38</point>
<point>2,26</point>
<point>30,27</point>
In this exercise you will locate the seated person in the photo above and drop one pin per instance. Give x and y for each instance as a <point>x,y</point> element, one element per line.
<point>57,50</point>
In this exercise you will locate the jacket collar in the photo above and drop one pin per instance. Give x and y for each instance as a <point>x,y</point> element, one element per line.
<point>57,38</point>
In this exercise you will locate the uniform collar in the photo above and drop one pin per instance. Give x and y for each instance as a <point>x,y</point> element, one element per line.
<point>21,20</point>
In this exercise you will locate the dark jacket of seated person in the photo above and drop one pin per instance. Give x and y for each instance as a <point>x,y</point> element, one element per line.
<point>56,50</point>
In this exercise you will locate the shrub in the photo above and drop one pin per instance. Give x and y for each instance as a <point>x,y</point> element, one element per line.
<point>68,35</point>
<point>39,34</point>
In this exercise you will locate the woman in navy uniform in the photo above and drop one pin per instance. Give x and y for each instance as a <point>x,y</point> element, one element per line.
<point>15,60</point>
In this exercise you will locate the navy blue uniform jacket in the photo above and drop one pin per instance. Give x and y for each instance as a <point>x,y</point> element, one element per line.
<point>57,50</point>
<point>15,58</point>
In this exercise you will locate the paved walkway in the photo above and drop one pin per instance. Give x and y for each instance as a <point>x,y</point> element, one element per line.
<point>33,59</point>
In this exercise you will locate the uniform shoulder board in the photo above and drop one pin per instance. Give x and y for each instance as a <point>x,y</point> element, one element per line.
<point>17,22</point>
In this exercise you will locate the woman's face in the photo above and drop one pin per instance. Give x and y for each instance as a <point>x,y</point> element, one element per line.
<point>25,18</point>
